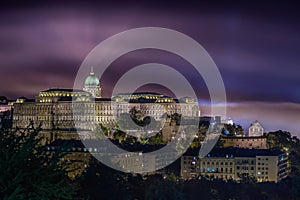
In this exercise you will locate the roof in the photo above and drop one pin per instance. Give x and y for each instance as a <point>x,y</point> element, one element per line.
<point>91,80</point>
<point>62,90</point>
<point>102,99</point>
<point>246,137</point>
<point>89,143</point>
<point>139,93</point>
<point>3,98</point>
<point>240,152</point>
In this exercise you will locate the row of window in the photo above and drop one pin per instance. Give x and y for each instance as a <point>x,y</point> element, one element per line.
<point>259,173</point>
<point>217,163</point>
<point>244,168</point>
<point>217,170</point>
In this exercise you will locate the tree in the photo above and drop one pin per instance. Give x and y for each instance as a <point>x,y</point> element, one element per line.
<point>28,171</point>
<point>5,120</point>
<point>233,130</point>
<point>164,189</point>
<point>156,139</point>
<point>239,130</point>
<point>288,143</point>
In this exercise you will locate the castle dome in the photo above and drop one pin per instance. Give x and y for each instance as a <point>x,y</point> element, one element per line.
<point>91,80</point>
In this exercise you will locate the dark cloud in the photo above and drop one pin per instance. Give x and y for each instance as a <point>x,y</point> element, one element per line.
<point>255,45</point>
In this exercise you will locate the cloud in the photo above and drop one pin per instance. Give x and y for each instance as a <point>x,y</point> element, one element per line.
<point>256,50</point>
<point>273,116</point>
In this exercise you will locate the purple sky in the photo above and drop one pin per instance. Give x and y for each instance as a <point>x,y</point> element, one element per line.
<point>256,47</point>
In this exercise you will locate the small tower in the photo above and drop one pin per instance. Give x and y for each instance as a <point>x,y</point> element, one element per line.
<point>256,129</point>
<point>92,85</point>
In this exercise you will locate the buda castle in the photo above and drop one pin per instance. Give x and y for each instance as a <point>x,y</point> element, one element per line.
<point>61,112</point>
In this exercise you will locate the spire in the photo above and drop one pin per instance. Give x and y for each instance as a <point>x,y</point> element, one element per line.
<point>92,70</point>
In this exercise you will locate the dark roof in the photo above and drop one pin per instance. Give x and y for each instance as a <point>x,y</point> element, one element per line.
<point>69,143</point>
<point>89,143</point>
<point>30,100</point>
<point>3,98</point>
<point>236,137</point>
<point>142,100</point>
<point>63,90</point>
<point>240,152</point>
<point>138,93</point>
<point>192,152</point>
<point>102,99</point>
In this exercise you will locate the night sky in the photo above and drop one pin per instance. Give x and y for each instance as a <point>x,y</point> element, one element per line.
<point>255,46</point>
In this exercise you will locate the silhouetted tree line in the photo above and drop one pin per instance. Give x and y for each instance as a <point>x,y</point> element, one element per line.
<point>28,172</point>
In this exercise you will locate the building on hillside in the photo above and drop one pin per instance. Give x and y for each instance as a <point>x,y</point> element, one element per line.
<point>255,142</point>
<point>264,165</point>
<point>255,129</point>
<point>143,163</point>
<point>77,155</point>
<point>61,112</point>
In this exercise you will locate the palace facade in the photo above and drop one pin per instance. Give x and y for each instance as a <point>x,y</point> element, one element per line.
<point>61,112</point>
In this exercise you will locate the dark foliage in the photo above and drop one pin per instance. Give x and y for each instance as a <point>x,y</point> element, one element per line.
<point>27,171</point>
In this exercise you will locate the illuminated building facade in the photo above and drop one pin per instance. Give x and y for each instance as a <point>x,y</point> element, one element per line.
<point>92,85</point>
<point>235,164</point>
<point>256,129</point>
<point>63,111</point>
<point>257,142</point>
